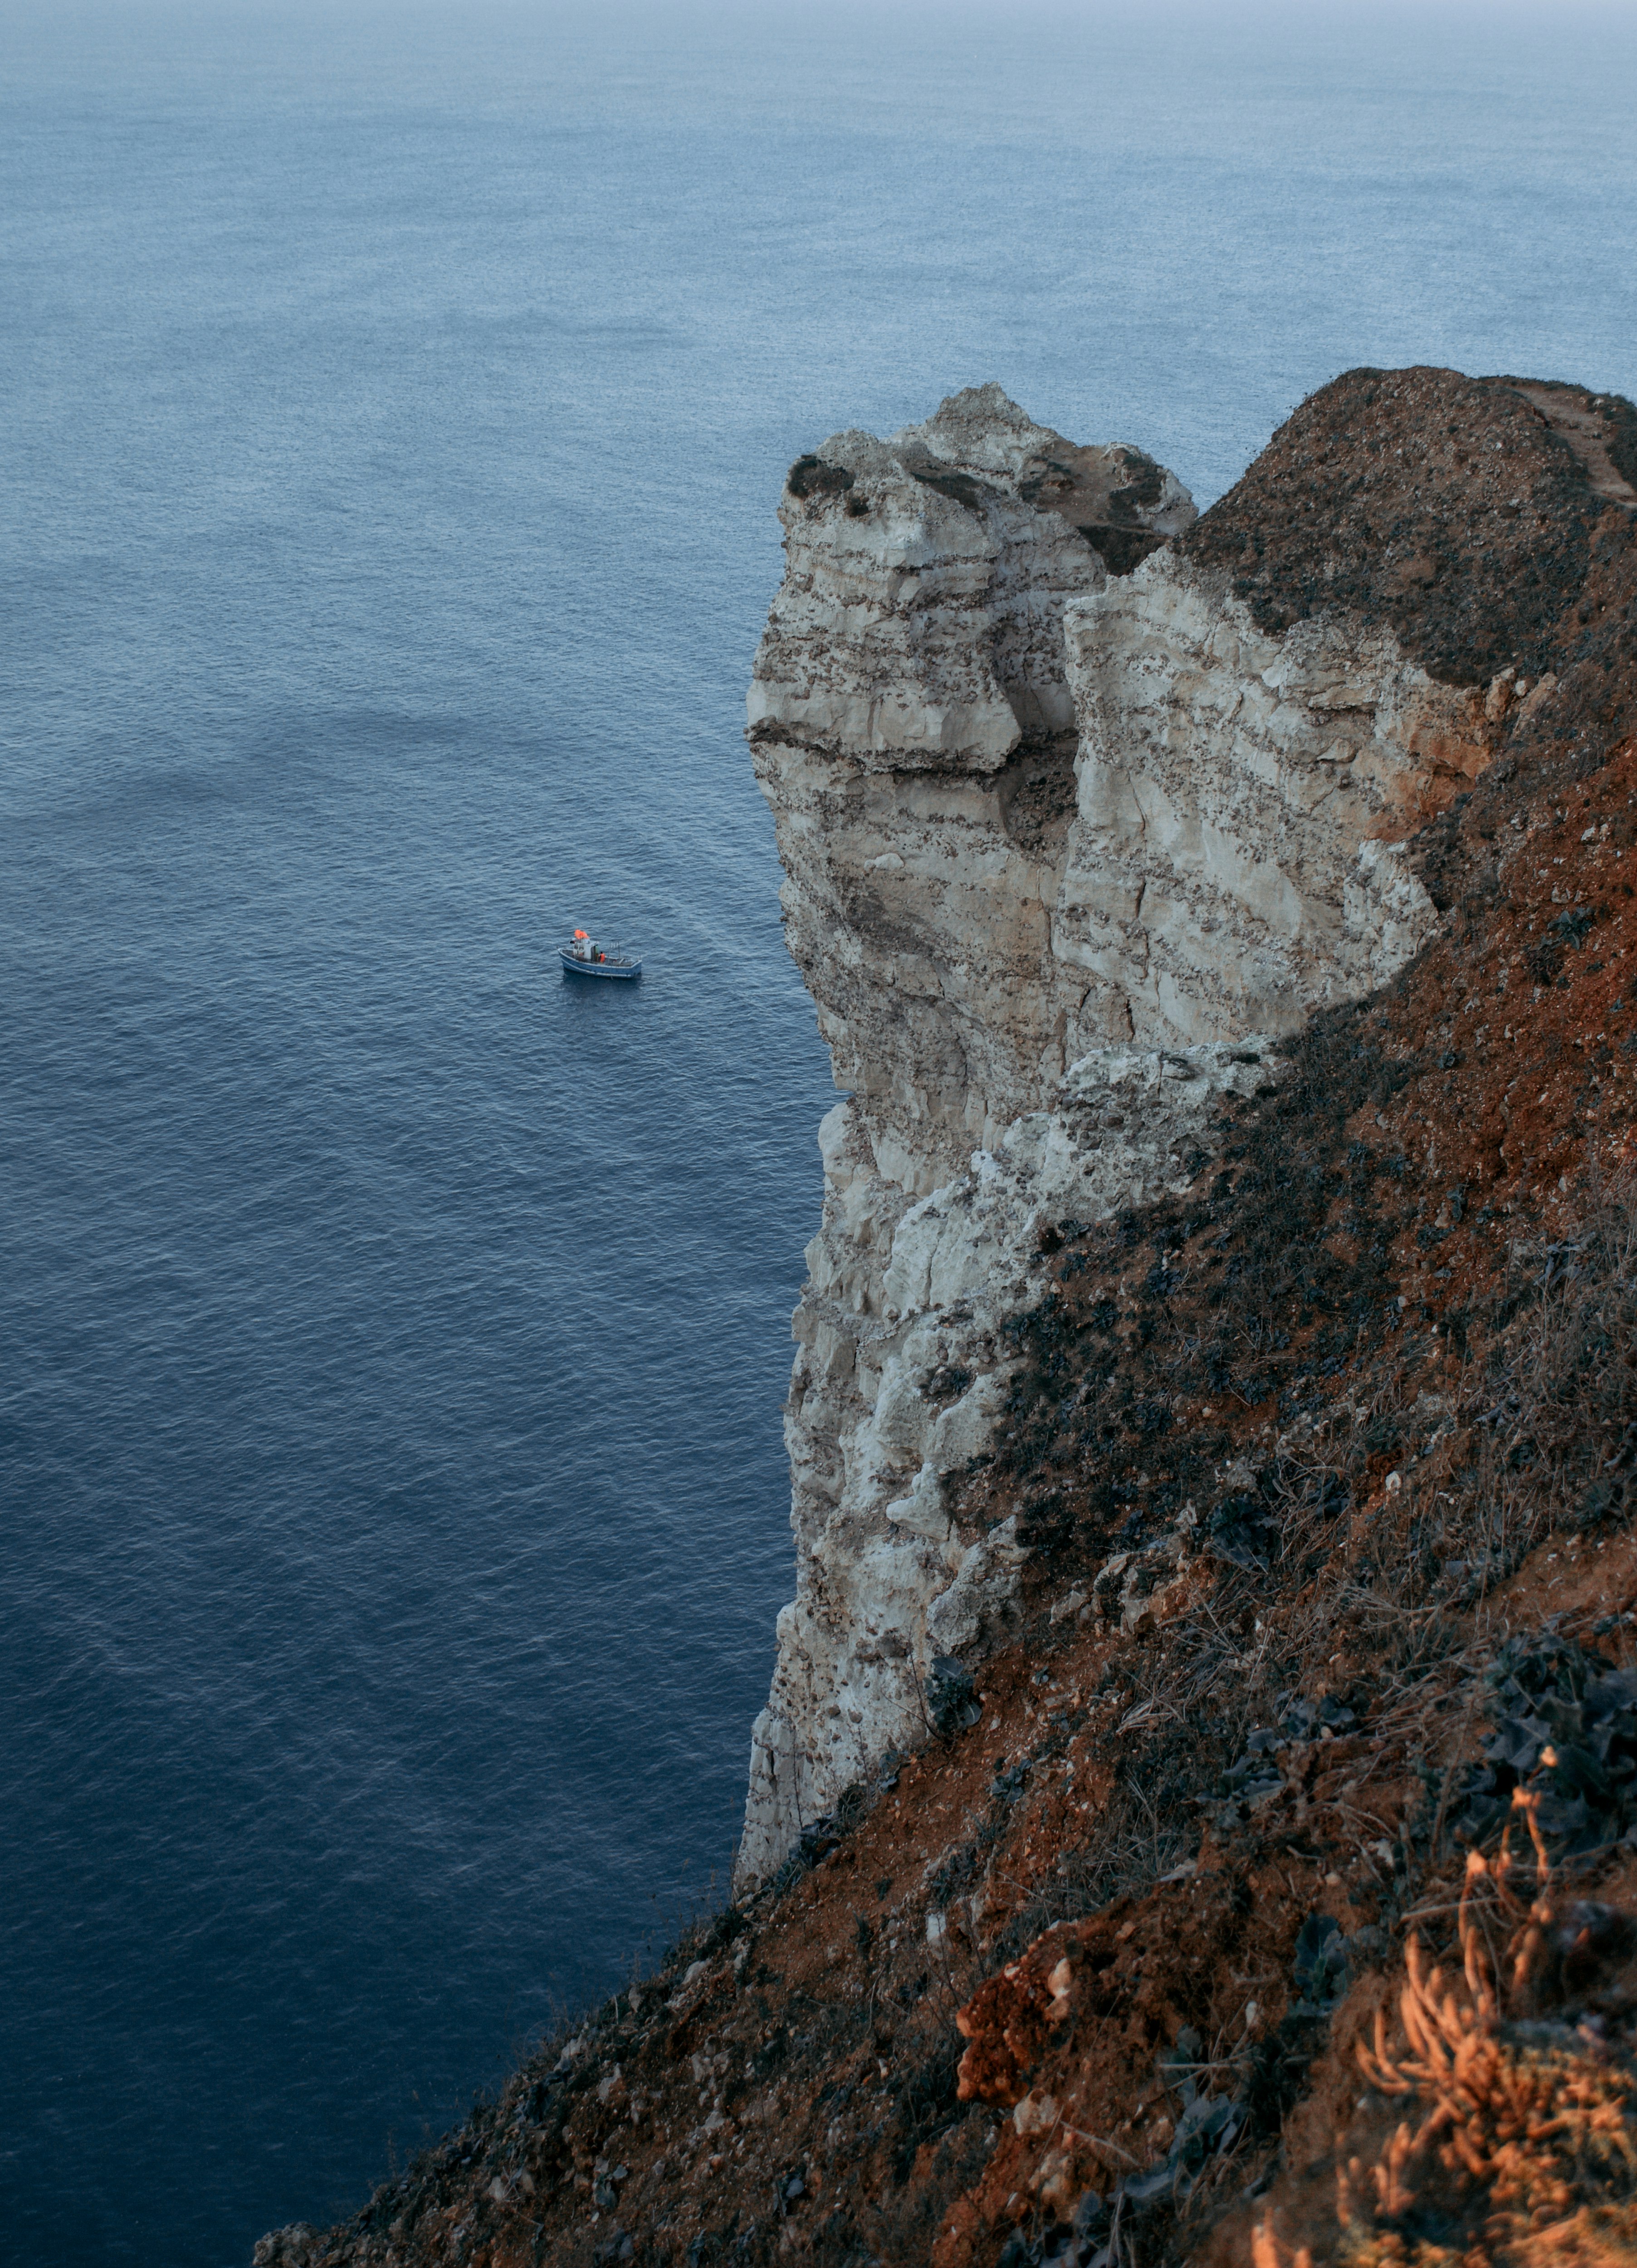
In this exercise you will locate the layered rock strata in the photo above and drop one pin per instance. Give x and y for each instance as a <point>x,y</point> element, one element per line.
<point>1067,839</point>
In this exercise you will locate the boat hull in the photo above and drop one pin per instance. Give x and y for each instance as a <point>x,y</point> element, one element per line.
<point>618,972</point>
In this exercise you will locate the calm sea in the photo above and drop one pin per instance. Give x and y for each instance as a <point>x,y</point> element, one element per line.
<point>392,1333</point>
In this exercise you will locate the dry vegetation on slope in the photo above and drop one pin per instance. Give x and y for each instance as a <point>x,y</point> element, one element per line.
<point>1459,510</point>
<point>1328,1474</point>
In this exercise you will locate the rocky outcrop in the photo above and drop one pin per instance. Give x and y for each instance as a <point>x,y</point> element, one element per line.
<point>914,727</point>
<point>1067,838</point>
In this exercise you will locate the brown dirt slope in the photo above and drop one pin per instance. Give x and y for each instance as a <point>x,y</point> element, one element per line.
<point>1328,1469</point>
<point>1451,509</point>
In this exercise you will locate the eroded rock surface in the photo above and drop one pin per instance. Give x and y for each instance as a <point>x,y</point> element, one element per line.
<point>899,1383</point>
<point>1075,817</point>
<point>1234,857</point>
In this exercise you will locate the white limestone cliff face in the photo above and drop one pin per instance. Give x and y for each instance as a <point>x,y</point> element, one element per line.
<point>1064,850</point>
<point>1240,797</point>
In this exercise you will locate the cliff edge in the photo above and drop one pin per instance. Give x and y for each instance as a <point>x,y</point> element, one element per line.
<point>1081,803</point>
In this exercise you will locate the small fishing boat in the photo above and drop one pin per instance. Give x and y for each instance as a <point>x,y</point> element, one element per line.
<point>583,956</point>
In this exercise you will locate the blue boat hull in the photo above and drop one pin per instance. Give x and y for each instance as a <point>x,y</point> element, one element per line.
<point>621,971</point>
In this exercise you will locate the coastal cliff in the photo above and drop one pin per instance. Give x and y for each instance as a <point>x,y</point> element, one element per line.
<point>1069,838</point>
<point>1194,1826</point>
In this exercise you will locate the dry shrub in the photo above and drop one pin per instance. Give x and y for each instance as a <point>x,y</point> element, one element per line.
<point>1491,2135</point>
<point>1545,1433</point>
<point>1533,1434</point>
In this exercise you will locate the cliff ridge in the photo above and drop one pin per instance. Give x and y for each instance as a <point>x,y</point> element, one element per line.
<point>1061,822</point>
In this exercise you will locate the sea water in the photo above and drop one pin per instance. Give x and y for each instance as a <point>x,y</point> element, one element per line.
<point>392,1330</point>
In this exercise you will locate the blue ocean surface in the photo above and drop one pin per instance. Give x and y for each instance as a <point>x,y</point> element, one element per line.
<point>392,1330</point>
